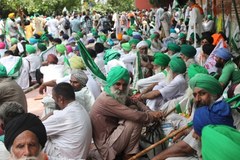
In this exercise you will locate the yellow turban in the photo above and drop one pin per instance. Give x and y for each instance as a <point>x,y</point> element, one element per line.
<point>76,62</point>
<point>11,15</point>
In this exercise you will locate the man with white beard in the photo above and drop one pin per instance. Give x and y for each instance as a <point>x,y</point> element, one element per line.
<point>173,86</point>
<point>117,127</point>
<point>25,136</point>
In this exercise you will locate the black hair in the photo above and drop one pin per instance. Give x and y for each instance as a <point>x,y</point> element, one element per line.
<point>92,53</point>
<point>99,47</point>
<point>9,52</point>
<point>65,90</point>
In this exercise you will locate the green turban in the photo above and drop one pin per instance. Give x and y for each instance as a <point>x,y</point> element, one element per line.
<point>114,75</point>
<point>42,47</point>
<point>76,62</point>
<point>194,69</point>
<point>153,36</point>
<point>103,38</point>
<point>14,41</point>
<point>126,47</point>
<point>209,17</point>
<point>177,65</point>
<point>80,34</point>
<point>30,49</point>
<point>188,50</point>
<point>61,48</point>
<point>220,142</point>
<point>206,82</point>
<point>129,31</point>
<point>134,41</point>
<point>149,43</point>
<point>161,59</point>
<point>182,36</point>
<point>173,47</point>
<point>110,55</point>
<point>3,71</point>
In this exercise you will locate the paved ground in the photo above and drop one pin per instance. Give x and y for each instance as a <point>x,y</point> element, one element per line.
<point>34,106</point>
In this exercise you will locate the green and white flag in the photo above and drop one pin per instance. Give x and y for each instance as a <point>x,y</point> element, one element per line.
<point>67,67</point>
<point>235,40</point>
<point>91,65</point>
<point>15,71</point>
<point>175,4</point>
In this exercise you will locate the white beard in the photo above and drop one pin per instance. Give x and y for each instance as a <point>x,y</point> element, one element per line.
<point>158,70</point>
<point>118,95</point>
<point>38,157</point>
<point>169,77</point>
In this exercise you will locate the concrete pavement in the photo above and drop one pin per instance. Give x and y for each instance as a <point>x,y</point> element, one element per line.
<point>34,106</point>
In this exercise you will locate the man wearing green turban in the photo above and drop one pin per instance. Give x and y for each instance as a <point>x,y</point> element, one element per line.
<point>172,87</point>
<point>42,46</point>
<point>187,53</point>
<point>30,49</point>
<point>110,112</point>
<point>160,63</point>
<point>126,47</point>
<point>128,57</point>
<point>173,48</point>
<point>112,59</point>
<point>61,50</point>
<point>133,43</point>
<point>33,59</point>
<point>206,93</point>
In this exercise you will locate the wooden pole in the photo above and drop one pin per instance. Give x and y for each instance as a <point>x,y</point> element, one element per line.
<point>160,142</point>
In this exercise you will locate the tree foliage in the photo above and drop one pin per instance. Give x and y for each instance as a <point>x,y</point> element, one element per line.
<point>49,7</point>
<point>40,6</point>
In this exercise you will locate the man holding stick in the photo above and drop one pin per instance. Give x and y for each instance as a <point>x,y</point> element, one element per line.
<point>206,91</point>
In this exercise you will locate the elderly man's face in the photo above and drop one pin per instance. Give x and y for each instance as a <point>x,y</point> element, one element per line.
<point>120,91</point>
<point>143,50</point>
<point>25,145</point>
<point>75,84</point>
<point>202,97</point>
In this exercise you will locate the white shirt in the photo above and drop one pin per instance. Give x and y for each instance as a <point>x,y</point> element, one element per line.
<point>23,78</point>
<point>169,91</point>
<point>69,133</point>
<point>142,84</point>
<point>85,98</point>
<point>53,27</point>
<point>129,61</point>
<point>51,72</point>
<point>100,62</point>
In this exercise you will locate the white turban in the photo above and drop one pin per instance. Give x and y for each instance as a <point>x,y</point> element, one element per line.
<point>80,76</point>
<point>142,44</point>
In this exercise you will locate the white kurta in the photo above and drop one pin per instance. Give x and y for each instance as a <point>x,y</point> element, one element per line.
<point>129,60</point>
<point>23,78</point>
<point>85,98</point>
<point>69,133</point>
<point>35,63</point>
<point>100,62</point>
<point>169,91</point>
<point>195,22</point>
<point>142,84</point>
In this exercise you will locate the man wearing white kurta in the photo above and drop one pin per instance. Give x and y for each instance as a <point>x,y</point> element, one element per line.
<point>69,130</point>
<point>195,19</point>
<point>173,87</point>
<point>33,59</point>
<point>21,75</point>
<point>159,64</point>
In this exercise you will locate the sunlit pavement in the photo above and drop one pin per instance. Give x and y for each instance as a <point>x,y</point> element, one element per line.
<point>34,106</point>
